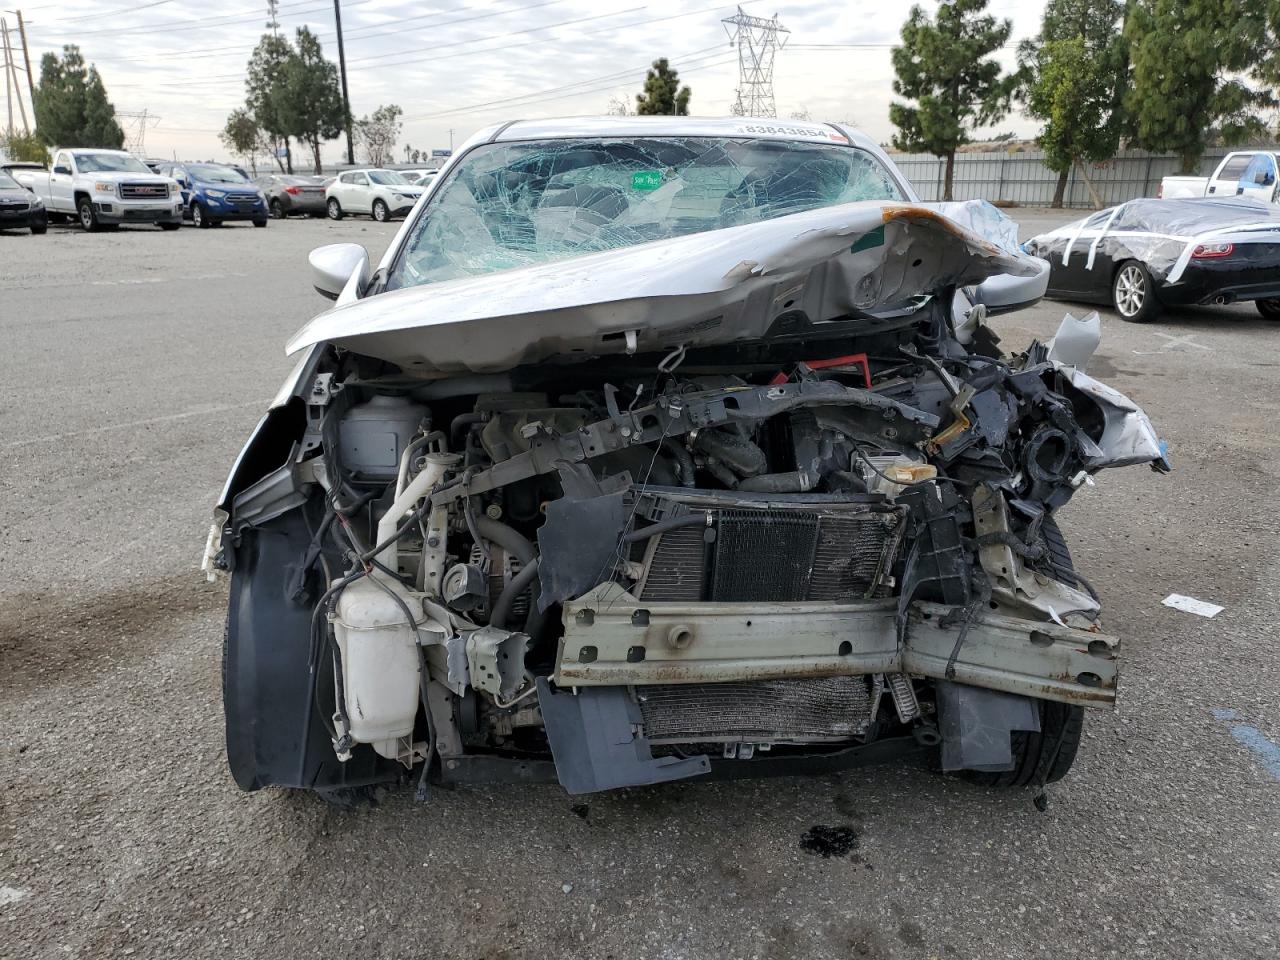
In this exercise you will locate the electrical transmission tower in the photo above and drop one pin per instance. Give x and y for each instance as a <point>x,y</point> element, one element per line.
<point>135,130</point>
<point>758,41</point>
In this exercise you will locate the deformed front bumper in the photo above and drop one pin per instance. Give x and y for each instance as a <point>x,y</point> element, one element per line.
<point>611,639</point>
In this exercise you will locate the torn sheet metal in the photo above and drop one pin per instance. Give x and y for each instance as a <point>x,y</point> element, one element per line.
<point>705,288</point>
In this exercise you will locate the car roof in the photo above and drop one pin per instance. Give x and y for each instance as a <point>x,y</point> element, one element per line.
<point>781,129</point>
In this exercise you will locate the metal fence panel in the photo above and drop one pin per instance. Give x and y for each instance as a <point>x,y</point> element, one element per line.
<point>1023,178</point>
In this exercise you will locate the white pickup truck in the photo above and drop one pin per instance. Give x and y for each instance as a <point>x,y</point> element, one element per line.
<point>105,188</point>
<point>1248,173</point>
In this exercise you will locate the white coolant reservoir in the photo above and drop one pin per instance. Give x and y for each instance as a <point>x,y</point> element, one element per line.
<point>379,665</point>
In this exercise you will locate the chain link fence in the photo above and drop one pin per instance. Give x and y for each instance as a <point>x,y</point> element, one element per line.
<point>1022,178</point>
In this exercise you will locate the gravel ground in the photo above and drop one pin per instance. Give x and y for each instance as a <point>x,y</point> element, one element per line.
<point>136,364</point>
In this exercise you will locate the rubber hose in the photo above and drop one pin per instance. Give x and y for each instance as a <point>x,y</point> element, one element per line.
<point>796,481</point>
<point>508,538</point>
<point>683,459</point>
<point>662,526</point>
<point>737,453</point>
<point>519,583</point>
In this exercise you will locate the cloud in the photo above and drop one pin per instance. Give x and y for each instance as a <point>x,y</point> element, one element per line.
<point>462,66</point>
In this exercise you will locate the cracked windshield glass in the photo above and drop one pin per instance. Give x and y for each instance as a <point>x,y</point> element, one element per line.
<point>518,204</point>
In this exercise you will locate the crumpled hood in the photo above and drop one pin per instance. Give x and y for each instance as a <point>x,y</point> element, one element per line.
<point>697,290</point>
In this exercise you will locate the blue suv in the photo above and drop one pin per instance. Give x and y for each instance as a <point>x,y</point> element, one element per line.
<point>213,193</point>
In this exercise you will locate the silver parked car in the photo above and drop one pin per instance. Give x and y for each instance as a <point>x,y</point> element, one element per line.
<point>666,447</point>
<point>291,194</point>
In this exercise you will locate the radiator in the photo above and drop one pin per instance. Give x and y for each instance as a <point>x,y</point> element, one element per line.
<point>763,711</point>
<point>773,556</point>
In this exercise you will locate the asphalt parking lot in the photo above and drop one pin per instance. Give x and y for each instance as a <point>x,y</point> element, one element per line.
<point>134,366</point>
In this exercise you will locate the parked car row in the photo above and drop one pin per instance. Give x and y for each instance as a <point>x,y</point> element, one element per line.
<point>101,189</point>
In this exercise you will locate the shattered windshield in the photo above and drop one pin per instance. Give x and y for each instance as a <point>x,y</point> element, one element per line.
<point>511,205</point>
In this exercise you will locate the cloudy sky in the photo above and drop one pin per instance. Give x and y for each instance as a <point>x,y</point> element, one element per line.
<point>457,65</point>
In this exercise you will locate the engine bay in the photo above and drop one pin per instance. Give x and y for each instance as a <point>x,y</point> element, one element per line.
<point>618,571</point>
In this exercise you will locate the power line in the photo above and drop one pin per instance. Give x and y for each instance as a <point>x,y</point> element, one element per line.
<point>691,57</point>
<point>110,13</point>
<point>758,41</point>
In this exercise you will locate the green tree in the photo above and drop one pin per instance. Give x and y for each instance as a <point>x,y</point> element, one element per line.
<point>308,101</point>
<point>71,105</point>
<point>1076,73</point>
<point>377,133</point>
<point>663,96</point>
<point>264,83</point>
<point>244,138</point>
<point>944,65</point>
<point>1189,57</point>
<point>25,147</point>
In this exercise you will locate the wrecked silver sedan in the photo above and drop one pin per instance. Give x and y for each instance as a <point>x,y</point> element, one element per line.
<point>660,448</point>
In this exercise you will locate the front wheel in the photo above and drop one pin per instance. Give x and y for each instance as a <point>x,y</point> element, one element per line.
<point>1133,293</point>
<point>38,229</point>
<point>88,218</point>
<point>170,226</point>
<point>259,223</point>
<point>277,210</point>
<point>381,212</point>
<point>1270,309</point>
<point>1043,757</point>
<point>334,209</point>
<point>198,217</point>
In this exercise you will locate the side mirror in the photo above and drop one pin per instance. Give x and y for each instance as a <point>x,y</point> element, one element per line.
<point>62,169</point>
<point>1005,293</point>
<point>335,265</point>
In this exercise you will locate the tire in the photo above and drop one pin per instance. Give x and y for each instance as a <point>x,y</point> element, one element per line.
<point>277,210</point>
<point>1050,753</point>
<point>39,229</point>
<point>381,212</point>
<point>1270,309</point>
<point>259,223</point>
<point>1043,757</point>
<point>334,209</point>
<point>1133,293</point>
<point>199,218</point>
<point>170,226</point>
<point>88,218</point>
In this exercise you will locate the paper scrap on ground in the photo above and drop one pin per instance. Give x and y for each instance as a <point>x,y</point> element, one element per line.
<point>1200,608</point>
<point>10,895</point>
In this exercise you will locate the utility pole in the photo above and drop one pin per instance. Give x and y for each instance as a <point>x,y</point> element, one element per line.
<point>26,57</point>
<point>342,69</point>
<point>8,86</point>
<point>758,42</point>
<point>11,75</point>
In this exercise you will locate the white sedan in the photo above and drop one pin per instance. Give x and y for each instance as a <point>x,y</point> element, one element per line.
<point>381,194</point>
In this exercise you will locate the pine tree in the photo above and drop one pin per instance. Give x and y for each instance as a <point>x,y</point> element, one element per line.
<point>1188,57</point>
<point>71,104</point>
<point>308,100</point>
<point>663,95</point>
<point>944,65</point>
<point>264,81</point>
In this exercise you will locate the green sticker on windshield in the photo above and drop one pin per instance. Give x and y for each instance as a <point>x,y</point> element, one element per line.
<point>869,241</point>
<point>646,180</point>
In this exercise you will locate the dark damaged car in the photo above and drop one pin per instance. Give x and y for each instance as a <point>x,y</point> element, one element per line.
<point>660,448</point>
<point>1145,255</point>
